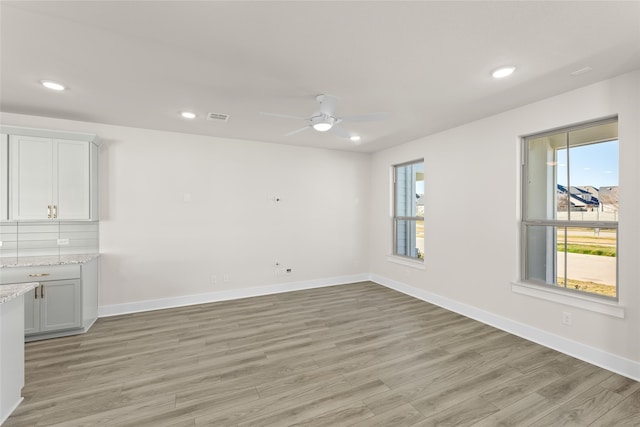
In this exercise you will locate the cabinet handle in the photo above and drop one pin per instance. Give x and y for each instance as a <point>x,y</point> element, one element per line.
<point>38,274</point>
<point>48,211</point>
<point>36,294</point>
<point>41,291</point>
<point>55,211</point>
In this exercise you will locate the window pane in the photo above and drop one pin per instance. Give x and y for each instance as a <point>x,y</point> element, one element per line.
<point>592,167</point>
<point>588,261</point>
<point>566,170</point>
<point>543,167</point>
<point>410,190</point>
<point>577,258</point>
<point>541,254</point>
<point>410,238</point>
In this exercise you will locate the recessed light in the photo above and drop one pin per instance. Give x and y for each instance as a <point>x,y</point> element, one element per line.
<point>52,85</point>
<point>503,72</point>
<point>354,138</point>
<point>188,115</point>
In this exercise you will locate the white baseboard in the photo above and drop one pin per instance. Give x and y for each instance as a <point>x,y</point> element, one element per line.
<point>611,362</point>
<point>157,304</point>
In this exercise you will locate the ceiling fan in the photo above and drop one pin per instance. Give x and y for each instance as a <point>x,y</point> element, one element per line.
<point>324,118</point>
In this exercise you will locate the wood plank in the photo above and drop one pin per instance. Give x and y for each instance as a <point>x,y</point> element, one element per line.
<point>625,414</point>
<point>583,409</point>
<point>353,354</point>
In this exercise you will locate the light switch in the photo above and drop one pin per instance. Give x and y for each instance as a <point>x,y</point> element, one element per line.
<point>187,197</point>
<point>63,242</point>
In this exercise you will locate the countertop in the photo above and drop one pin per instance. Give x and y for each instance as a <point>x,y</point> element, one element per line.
<point>36,261</point>
<point>9,292</point>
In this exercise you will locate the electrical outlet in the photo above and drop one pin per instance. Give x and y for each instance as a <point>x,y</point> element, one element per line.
<point>214,279</point>
<point>566,318</point>
<point>62,242</point>
<point>226,278</point>
<point>289,271</point>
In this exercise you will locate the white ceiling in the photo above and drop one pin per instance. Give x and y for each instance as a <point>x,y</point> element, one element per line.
<point>428,64</point>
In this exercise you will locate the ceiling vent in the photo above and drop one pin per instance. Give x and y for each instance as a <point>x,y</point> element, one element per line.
<point>218,117</point>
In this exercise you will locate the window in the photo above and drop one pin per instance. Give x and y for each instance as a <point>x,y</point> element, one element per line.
<point>570,209</point>
<point>408,212</point>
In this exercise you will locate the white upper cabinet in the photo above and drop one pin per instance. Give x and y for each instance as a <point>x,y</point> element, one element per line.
<point>31,177</point>
<point>73,198</point>
<point>51,178</point>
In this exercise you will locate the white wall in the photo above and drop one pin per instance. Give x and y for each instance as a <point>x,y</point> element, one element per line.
<point>156,246</point>
<point>472,209</point>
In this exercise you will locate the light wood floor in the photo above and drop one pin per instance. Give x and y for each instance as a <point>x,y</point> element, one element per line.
<point>357,354</point>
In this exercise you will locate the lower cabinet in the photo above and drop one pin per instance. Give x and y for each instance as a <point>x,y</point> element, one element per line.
<point>65,302</point>
<point>53,306</point>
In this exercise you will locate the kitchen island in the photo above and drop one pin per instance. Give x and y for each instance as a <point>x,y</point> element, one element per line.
<point>12,346</point>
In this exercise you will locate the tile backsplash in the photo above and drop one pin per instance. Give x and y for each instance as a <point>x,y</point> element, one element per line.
<point>47,238</point>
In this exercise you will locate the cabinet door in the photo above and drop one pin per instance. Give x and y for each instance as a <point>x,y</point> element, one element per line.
<point>32,311</point>
<point>31,177</point>
<point>60,305</point>
<point>71,179</point>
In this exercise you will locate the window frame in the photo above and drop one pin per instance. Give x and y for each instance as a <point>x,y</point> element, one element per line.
<point>396,218</point>
<point>525,222</point>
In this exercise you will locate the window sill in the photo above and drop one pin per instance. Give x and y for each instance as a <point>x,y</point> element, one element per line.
<point>585,302</point>
<point>406,262</point>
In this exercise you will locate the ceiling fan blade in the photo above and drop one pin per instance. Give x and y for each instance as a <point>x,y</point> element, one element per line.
<point>283,116</point>
<point>293,132</point>
<point>340,132</point>
<point>373,117</point>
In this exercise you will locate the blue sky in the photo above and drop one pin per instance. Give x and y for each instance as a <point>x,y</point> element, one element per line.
<point>594,164</point>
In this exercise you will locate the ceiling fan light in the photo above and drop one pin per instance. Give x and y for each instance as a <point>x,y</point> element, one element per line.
<point>322,126</point>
